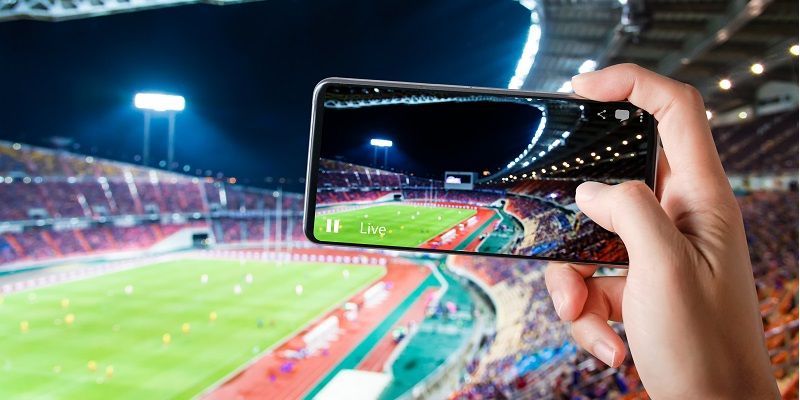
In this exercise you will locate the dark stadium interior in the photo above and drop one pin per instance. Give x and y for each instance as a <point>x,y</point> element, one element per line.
<point>196,280</point>
<point>433,138</point>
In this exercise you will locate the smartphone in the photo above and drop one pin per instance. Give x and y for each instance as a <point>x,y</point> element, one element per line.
<point>439,168</point>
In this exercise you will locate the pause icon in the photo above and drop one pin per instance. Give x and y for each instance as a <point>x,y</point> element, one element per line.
<point>332,225</point>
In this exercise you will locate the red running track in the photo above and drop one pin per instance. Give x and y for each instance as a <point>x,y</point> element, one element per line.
<point>473,245</point>
<point>483,214</point>
<point>264,380</point>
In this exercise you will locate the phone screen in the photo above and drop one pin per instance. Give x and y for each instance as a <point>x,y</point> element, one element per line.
<point>461,170</point>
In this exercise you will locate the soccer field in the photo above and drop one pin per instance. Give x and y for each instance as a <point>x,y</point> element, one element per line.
<point>114,348</point>
<point>406,225</point>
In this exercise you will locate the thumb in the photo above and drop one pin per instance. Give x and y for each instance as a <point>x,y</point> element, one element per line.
<point>631,210</point>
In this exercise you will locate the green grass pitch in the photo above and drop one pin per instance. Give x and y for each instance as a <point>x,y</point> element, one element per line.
<point>124,331</point>
<point>406,225</point>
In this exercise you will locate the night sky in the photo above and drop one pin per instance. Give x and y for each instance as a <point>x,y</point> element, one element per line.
<point>429,139</point>
<point>247,72</point>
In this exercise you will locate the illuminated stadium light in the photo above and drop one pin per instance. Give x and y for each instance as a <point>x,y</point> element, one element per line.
<point>794,50</point>
<point>725,84</point>
<point>639,137</point>
<point>381,142</point>
<point>709,114</point>
<point>553,167</point>
<point>597,158</point>
<point>531,48</point>
<point>743,115</point>
<point>544,171</point>
<point>757,69</point>
<point>159,102</point>
<point>594,154</point>
<point>566,134</point>
<point>624,142</point>
<point>616,154</point>
<point>566,87</point>
<point>587,66</point>
<point>608,148</point>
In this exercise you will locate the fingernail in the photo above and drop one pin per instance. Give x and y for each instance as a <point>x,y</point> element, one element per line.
<point>558,302</point>
<point>604,352</point>
<point>588,190</point>
<point>581,77</point>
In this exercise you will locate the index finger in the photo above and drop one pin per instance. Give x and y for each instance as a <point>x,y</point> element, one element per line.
<point>680,112</point>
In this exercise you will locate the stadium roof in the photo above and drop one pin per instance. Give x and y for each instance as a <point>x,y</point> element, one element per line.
<point>699,42</point>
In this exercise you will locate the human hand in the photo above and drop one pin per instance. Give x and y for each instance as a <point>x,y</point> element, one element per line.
<point>688,301</point>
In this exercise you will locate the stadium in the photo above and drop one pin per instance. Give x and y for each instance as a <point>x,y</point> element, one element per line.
<point>126,272</point>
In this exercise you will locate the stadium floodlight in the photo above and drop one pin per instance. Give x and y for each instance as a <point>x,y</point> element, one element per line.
<point>725,84</point>
<point>159,102</point>
<point>381,143</point>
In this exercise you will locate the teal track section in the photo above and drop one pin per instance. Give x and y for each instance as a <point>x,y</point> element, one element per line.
<point>362,350</point>
<point>438,337</point>
<point>496,241</point>
<point>464,243</point>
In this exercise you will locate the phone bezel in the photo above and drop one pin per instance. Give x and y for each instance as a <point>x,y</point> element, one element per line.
<point>317,107</point>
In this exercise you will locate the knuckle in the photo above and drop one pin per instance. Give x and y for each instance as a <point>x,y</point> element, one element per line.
<point>692,95</point>
<point>633,190</point>
<point>575,331</point>
<point>628,68</point>
<point>631,194</point>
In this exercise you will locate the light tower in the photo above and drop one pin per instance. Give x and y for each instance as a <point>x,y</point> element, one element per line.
<point>160,103</point>
<point>385,144</point>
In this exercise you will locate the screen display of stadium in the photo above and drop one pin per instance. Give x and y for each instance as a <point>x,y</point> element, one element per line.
<point>444,168</point>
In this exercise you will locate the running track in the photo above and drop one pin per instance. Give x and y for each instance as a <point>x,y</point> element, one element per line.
<point>255,383</point>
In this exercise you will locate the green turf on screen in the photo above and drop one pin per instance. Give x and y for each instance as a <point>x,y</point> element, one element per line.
<point>125,331</point>
<point>406,225</point>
